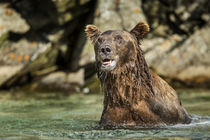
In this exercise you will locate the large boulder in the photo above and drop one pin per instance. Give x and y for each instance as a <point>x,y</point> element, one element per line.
<point>39,37</point>
<point>178,45</point>
<point>183,60</point>
<point>62,81</point>
<point>20,58</point>
<point>9,16</point>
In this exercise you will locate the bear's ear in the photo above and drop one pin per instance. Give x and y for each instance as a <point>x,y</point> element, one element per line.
<point>140,30</point>
<point>92,32</point>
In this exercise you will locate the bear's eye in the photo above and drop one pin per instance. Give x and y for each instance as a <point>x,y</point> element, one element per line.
<point>100,40</point>
<point>118,38</point>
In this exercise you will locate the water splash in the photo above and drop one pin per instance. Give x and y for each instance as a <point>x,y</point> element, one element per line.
<point>197,121</point>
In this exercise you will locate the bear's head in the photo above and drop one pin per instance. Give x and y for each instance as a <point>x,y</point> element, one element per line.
<point>114,48</point>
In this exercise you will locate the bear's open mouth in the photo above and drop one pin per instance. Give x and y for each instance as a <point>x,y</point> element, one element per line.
<point>107,62</point>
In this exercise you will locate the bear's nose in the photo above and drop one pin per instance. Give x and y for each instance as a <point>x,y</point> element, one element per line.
<point>106,49</point>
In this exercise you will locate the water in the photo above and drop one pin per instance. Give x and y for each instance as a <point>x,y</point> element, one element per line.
<point>57,116</point>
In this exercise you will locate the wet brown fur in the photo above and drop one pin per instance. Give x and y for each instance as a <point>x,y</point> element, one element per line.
<point>133,95</point>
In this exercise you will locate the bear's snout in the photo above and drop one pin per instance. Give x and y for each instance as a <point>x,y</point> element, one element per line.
<point>106,49</point>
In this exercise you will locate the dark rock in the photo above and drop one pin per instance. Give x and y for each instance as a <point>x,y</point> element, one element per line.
<point>181,17</point>
<point>38,37</point>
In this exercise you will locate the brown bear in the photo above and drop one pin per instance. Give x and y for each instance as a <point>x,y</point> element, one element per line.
<point>133,95</point>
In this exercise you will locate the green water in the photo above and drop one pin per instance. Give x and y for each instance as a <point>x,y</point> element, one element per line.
<point>58,116</point>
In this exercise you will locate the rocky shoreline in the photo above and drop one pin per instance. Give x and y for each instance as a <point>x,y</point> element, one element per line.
<point>43,45</point>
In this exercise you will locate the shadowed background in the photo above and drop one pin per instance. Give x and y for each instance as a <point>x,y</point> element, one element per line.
<point>43,45</point>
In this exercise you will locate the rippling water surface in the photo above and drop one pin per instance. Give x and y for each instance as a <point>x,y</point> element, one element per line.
<point>57,116</point>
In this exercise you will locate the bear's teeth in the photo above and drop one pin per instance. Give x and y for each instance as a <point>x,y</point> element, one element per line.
<point>107,62</point>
